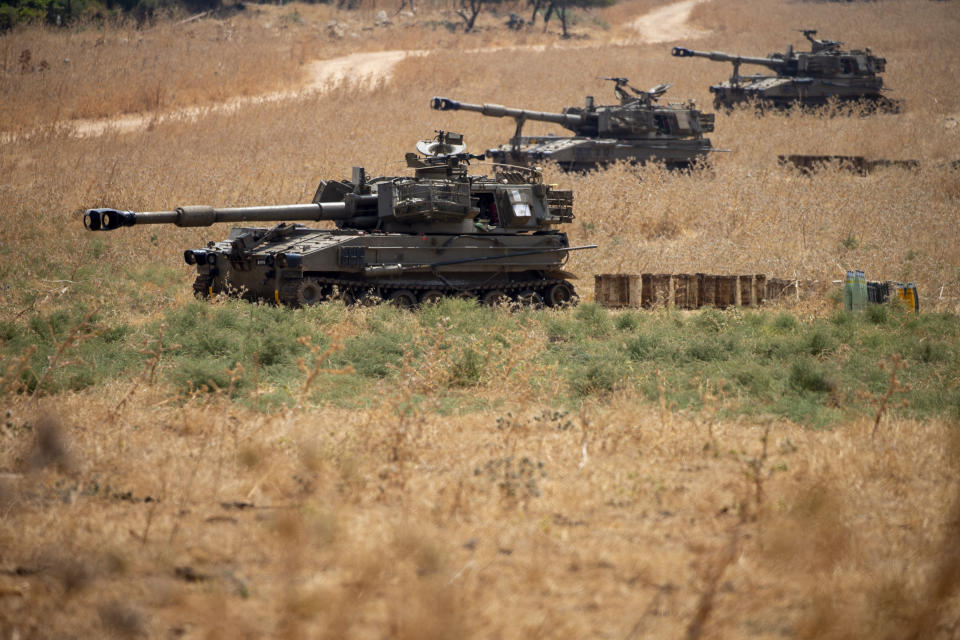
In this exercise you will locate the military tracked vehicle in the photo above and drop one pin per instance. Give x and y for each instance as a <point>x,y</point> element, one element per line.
<point>408,240</point>
<point>636,130</point>
<point>807,78</point>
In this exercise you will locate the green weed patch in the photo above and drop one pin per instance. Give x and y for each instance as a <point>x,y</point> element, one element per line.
<point>816,372</point>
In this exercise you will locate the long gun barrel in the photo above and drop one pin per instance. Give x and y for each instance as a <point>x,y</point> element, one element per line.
<point>716,56</point>
<point>569,120</point>
<point>203,216</point>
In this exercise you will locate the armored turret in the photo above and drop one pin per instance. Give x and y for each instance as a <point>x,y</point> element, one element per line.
<point>441,232</point>
<point>636,130</point>
<point>807,78</point>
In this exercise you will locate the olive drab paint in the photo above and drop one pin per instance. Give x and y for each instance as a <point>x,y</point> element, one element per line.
<point>808,78</point>
<point>441,232</point>
<point>637,130</point>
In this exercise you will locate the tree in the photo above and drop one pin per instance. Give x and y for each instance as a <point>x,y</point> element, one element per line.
<point>63,12</point>
<point>563,7</point>
<point>537,6</point>
<point>57,12</point>
<point>470,9</point>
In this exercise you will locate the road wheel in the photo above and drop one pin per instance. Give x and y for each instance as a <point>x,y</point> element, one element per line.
<point>310,293</point>
<point>495,298</point>
<point>403,298</point>
<point>431,296</point>
<point>560,295</point>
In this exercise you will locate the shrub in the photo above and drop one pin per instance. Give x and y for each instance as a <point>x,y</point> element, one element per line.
<point>8,331</point>
<point>712,320</point>
<point>373,355</point>
<point>785,321</point>
<point>877,313</point>
<point>53,326</point>
<point>277,348</point>
<point>207,375</point>
<point>645,347</point>
<point>806,376</point>
<point>928,351</point>
<point>597,373</point>
<point>561,328</point>
<point>819,342</point>
<point>461,315</point>
<point>594,320</point>
<point>754,378</point>
<point>842,318</point>
<point>628,321</point>
<point>466,368</point>
<point>706,350</point>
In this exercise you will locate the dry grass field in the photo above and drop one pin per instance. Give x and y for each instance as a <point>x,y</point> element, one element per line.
<point>468,472</point>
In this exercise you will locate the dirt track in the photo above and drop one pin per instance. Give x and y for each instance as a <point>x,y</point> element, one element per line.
<point>668,23</point>
<point>361,68</point>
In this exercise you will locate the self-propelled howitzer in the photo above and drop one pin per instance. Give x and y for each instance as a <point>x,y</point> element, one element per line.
<point>409,240</point>
<point>636,130</point>
<point>806,78</point>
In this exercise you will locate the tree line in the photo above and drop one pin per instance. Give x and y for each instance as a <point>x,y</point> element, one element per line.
<point>468,10</point>
<point>64,12</point>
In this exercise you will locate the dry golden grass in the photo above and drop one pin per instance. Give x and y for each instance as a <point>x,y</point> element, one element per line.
<point>386,522</point>
<point>128,70</point>
<point>325,523</point>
